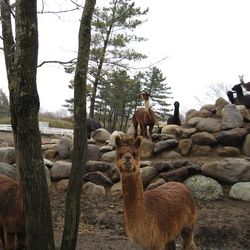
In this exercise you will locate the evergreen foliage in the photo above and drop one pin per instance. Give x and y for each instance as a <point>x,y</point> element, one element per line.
<point>155,83</point>
<point>4,105</point>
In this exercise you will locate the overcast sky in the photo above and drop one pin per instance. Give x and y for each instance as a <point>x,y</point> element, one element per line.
<point>205,41</point>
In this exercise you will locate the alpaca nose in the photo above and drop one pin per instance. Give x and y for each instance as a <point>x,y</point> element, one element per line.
<point>127,157</point>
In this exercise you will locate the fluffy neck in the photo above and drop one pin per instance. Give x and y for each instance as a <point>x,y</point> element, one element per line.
<point>134,207</point>
<point>239,92</point>
<point>176,112</point>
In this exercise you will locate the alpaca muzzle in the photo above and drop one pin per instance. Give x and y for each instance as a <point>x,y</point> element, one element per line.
<point>127,161</point>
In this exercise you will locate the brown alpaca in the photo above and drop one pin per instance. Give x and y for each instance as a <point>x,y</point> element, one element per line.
<point>141,118</point>
<point>146,97</point>
<point>11,214</point>
<point>153,219</point>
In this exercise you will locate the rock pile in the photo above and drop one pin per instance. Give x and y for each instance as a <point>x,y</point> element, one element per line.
<point>210,149</point>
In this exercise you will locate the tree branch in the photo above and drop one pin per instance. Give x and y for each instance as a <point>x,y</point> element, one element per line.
<point>57,12</point>
<point>59,62</point>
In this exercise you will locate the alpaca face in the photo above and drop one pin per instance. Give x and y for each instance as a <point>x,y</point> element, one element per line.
<point>128,155</point>
<point>237,87</point>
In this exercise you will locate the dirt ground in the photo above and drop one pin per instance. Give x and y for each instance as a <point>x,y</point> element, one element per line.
<point>222,224</point>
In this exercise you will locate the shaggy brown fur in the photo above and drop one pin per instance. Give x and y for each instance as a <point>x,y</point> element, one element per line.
<point>146,97</point>
<point>11,214</point>
<point>141,118</point>
<point>155,218</point>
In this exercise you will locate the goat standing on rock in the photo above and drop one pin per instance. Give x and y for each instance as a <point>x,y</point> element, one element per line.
<point>11,214</point>
<point>155,218</point>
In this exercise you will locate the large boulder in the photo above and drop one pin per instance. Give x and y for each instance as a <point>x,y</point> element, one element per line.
<point>204,188</point>
<point>8,170</point>
<point>240,191</point>
<point>146,150</point>
<point>60,170</point>
<point>232,137</point>
<point>231,118</point>
<point>7,155</point>
<point>101,135</point>
<point>229,170</point>
<point>64,147</point>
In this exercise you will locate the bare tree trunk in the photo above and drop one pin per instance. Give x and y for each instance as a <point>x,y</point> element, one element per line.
<point>80,131</point>
<point>21,66</point>
<point>8,40</point>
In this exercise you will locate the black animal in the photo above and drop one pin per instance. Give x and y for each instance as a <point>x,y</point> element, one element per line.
<point>175,119</point>
<point>92,125</point>
<point>242,99</point>
<point>232,99</point>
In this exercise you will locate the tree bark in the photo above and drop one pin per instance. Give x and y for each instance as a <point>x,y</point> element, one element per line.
<point>80,131</point>
<point>21,67</point>
<point>8,40</point>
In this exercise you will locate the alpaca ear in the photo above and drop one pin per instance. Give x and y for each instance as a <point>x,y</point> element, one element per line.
<point>118,142</point>
<point>137,142</point>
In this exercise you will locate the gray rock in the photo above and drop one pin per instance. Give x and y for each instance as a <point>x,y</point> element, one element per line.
<point>209,125</point>
<point>60,170</point>
<point>220,103</point>
<point>185,132</point>
<point>94,190</point>
<point>7,155</point>
<point>246,145</point>
<point>228,151</point>
<point>94,166</point>
<point>93,153</point>
<point>204,188</point>
<point>232,137</point>
<point>184,146</point>
<point>109,156</point>
<point>106,148</point>
<point>147,175</point>
<point>231,117</point>
<point>155,184</point>
<point>8,170</point>
<point>240,191</point>
<point>170,129</point>
<point>163,166</point>
<point>64,147</point>
<point>199,150</point>
<point>204,138</point>
<point>163,145</point>
<point>146,150</point>
<point>194,121</point>
<point>98,178</point>
<point>101,135</point>
<point>229,170</point>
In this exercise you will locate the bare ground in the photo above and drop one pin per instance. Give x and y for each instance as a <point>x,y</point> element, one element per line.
<point>222,225</point>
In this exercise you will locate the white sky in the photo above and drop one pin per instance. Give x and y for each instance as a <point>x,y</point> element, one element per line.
<point>206,42</point>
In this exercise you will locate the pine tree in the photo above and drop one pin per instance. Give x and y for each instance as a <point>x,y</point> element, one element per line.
<point>113,28</point>
<point>4,104</point>
<point>155,83</point>
<point>117,100</point>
